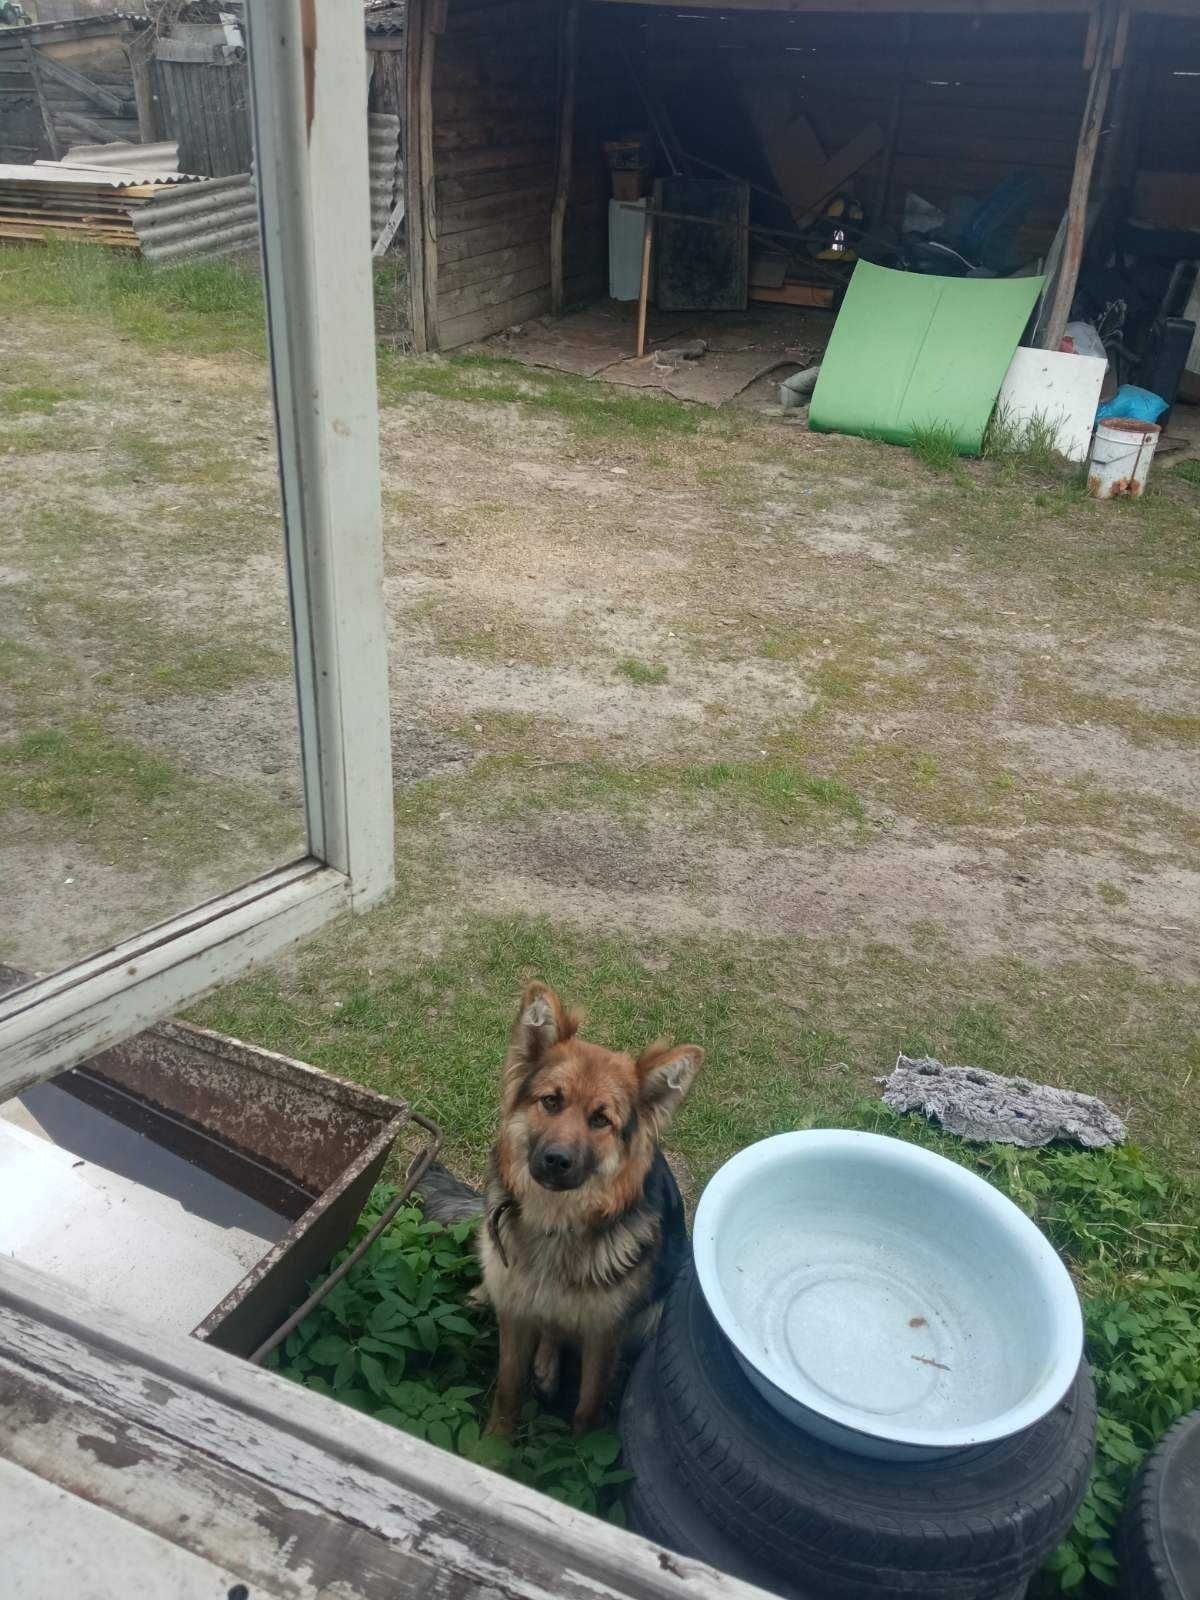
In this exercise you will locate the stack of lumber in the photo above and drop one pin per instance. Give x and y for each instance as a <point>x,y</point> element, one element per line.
<point>90,206</point>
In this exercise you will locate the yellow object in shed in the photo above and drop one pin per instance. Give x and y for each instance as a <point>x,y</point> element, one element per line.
<point>842,209</point>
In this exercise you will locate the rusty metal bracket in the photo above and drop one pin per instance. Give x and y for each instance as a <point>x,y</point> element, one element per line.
<point>417,1169</point>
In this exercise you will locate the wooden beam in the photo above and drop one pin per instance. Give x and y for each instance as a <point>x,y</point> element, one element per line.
<point>1109,24</point>
<point>566,152</point>
<point>285,1493</point>
<point>390,229</point>
<point>116,105</point>
<point>892,135</point>
<point>419,171</point>
<point>644,286</point>
<point>81,124</point>
<point>33,61</point>
<point>140,51</point>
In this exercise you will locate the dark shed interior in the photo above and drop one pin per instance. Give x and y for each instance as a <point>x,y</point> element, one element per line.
<point>510,104</point>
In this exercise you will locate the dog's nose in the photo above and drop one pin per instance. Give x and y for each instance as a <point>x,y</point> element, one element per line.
<point>557,1162</point>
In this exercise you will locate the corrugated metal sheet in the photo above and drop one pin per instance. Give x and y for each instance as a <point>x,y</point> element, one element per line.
<point>52,172</point>
<point>384,148</point>
<point>161,158</point>
<point>216,217</point>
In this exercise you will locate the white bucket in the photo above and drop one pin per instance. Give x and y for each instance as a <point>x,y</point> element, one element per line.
<point>1121,455</point>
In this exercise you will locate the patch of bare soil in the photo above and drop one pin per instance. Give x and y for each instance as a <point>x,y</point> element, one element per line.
<point>597,873</point>
<point>768,572</point>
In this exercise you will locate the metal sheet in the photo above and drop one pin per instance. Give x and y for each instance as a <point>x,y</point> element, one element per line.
<point>161,159</point>
<point>383,137</point>
<point>216,217</point>
<point>44,172</point>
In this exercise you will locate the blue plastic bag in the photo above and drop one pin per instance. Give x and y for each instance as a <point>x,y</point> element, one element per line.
<point>1140,405</point>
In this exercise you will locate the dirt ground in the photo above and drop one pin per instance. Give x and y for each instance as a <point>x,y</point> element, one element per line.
<point>665,677</point>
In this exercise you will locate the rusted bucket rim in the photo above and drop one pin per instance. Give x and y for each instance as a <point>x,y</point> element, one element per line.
<point>1129,425</point>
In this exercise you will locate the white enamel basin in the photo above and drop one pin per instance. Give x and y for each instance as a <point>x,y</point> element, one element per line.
<point>882,1297</point>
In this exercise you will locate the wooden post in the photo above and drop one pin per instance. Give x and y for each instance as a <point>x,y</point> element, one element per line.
<point>566,153</point>
<point>32,62</point>
<point>1107,22</point>
<point>895,115</point>
<point>420,36</point>
<point>644,289</point>
<point>140,51</point>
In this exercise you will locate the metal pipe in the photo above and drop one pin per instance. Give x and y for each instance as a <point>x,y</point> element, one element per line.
<point>417,1170</point>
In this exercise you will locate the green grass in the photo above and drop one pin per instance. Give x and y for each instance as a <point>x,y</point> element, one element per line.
<point>795,1029</point>
<point>934,444</point>
<point>37,399</point>
<point>133,807</point>
<point>1189,471</point>
<point>187,457</point>
<point>200,308</point>
<point>590,409</point>
<point>641,672</point>
<point>719,797</point>
<point>74,772</point>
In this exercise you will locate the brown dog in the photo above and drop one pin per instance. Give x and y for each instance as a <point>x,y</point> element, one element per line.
<point>585,1225</point>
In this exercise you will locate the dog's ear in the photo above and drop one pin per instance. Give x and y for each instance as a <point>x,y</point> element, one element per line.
<point>665,1074</point>
<point>541,1023</point>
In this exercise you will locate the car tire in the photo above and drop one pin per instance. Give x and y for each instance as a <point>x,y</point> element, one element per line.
<point>1159,1542</point>
<point>658,1505</point>
<point>975,1525</point>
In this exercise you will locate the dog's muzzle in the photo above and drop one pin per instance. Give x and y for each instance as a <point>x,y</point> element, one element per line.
<point>558,1167</point>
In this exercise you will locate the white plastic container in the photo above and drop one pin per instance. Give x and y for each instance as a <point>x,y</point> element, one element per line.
<point>1121,455</point>
<point>883,1298</point>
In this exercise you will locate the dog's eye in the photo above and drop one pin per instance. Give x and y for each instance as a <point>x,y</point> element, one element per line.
<point>598,1120</point>
<point>551,1103</point>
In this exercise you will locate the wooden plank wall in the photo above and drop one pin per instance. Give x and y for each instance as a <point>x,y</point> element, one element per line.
<point>103,61</point>
<point>96,55</point>
<point>206,107</point>
<point>495,108</point>
<point>22,135</point>
<point>1169,134</point>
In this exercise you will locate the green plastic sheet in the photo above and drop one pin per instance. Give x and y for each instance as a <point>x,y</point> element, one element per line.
<point>910,352</point>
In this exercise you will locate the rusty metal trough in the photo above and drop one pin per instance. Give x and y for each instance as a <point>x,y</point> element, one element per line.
<point>306,1145</point>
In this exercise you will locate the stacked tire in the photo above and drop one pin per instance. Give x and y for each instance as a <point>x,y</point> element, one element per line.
<point>1159,1545</point>
<point>722,1477</point>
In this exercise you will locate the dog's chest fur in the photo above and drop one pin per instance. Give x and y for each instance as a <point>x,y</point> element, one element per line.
<point>564,1271</point>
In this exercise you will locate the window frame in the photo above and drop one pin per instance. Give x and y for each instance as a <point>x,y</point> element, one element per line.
<point>310,134</point>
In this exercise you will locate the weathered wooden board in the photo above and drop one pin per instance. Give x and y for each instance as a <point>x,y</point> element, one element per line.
<point>220,1463</point>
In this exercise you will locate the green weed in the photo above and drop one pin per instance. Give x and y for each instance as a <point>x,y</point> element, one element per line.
<point>1030,441</point>
<point>398,1340</point>
<point>935,444</point>
<point>641,673</point>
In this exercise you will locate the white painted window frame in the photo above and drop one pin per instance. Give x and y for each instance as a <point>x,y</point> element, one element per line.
<point>307,67</point>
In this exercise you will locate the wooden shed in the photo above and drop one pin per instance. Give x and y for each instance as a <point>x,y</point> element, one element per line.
<point>509,103</point>
<point>70,82</point>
